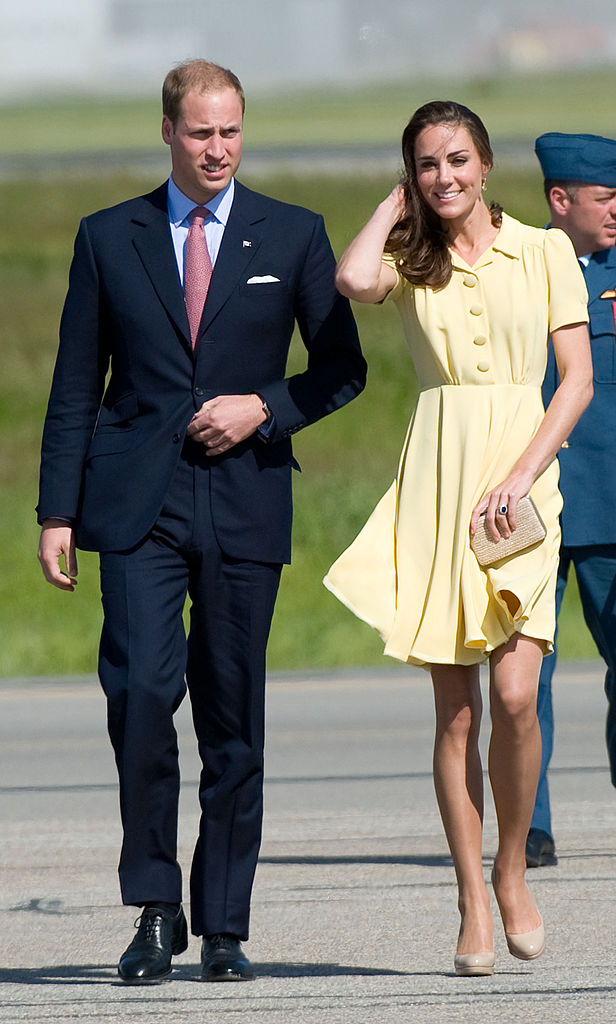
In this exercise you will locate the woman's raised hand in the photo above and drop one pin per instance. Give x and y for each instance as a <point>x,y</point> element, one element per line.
<point>397,199</point>
<point>360,274</point>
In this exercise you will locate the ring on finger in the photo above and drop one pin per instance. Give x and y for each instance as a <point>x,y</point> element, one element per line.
<point>502,510</point>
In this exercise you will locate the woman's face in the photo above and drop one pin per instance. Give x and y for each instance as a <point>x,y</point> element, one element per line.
<point>449,170</point>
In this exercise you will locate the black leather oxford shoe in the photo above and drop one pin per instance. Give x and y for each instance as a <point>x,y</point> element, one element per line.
<point>222,959</point>
<point>540,849</point>
<point>147,960</point>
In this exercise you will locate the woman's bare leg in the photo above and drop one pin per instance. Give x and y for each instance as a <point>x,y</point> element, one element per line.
<point>514,761</point>
<point>458,782</point>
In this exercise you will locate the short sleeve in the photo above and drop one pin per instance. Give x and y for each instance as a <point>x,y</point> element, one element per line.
<point>396,291</point>
<point>568,298</point>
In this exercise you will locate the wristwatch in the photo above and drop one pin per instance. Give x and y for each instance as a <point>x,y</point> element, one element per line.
<point>268,427</point>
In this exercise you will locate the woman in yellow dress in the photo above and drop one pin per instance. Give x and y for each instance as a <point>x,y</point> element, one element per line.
<point>478,294</point>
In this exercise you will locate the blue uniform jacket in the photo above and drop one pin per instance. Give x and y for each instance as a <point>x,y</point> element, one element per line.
<point>588,458</point>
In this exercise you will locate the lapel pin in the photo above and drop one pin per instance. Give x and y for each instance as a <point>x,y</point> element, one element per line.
<point>246,244</point>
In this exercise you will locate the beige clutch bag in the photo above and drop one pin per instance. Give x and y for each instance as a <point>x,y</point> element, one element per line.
<point>529,530</point>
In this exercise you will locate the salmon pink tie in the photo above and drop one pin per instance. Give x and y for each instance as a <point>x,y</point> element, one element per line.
<point>197,270</point>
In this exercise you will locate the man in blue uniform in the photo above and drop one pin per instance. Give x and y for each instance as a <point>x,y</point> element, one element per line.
<point>580,187</point>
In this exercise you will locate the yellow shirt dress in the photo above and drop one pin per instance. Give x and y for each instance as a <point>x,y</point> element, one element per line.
<point>479,346</point>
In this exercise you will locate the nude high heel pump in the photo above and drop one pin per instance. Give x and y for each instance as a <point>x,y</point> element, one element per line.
<point>525,945</point>
<point>471,965</point>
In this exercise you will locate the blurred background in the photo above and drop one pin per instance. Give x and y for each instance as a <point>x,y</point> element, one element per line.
<point>120,46</point>
<point>330,85</point>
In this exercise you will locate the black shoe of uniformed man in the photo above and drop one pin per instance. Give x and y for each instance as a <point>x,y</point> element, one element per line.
<point>540,849</point>
<point>222,959</point>
<point>160,935</point>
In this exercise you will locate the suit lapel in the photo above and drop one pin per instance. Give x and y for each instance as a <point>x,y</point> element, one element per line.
<point>152,240</point>
<point>240,244</point>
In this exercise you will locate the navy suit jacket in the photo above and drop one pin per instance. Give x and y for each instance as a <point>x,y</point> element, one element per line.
<point>127,381</point>
<point>588,458</point>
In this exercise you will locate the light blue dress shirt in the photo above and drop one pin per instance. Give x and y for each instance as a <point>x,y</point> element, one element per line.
<point>180,208</point>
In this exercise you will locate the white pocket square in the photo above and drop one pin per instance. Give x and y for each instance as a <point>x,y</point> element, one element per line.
<point>267,279</point>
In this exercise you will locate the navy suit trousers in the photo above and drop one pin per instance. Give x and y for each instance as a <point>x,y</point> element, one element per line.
<point>146,661</point>
<point>595,568</point>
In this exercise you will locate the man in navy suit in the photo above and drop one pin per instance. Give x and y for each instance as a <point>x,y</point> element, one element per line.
<point>167,449</point>
<point>580,186</point>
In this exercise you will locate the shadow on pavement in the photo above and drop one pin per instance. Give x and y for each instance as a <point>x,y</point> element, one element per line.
<point>66,974</point>
<point>105,974</point>
<point>394,858</point>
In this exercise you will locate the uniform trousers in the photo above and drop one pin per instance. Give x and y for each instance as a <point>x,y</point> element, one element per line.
<point>595,568</point>
<point>146,663</point>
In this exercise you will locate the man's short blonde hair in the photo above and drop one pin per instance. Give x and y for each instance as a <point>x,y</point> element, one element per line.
<point>201,76</point>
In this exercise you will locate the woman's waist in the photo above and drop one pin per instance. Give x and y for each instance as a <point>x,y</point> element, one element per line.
<point>534,390</point>
<point>488,403</point>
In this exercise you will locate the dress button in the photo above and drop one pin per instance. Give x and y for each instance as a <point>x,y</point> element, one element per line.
<point>480,339</point>
<point>476,310</point>
<point>483,365</point>
<point>470,281</point>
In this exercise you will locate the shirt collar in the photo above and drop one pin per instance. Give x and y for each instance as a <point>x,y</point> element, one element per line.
<point>508,241</point>
<point>509,238</point>
<point>180,206</point>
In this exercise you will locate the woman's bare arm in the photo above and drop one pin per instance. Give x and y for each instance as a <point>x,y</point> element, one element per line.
<point>360,274</point>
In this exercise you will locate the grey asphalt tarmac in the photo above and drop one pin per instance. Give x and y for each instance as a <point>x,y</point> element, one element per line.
<point>354,916</point>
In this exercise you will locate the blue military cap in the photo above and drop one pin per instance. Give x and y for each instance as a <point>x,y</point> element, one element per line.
<point>587,158</point>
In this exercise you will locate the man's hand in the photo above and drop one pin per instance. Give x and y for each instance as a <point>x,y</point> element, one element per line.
<point>226,420</point>
<point>58,542</point>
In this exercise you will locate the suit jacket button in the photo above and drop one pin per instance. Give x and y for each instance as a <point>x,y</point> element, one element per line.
<point>199,391</point>
<point>176,438</point>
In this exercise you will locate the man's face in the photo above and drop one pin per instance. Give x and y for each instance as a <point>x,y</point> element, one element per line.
<point>589,218</point>
<point>205,143</point>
